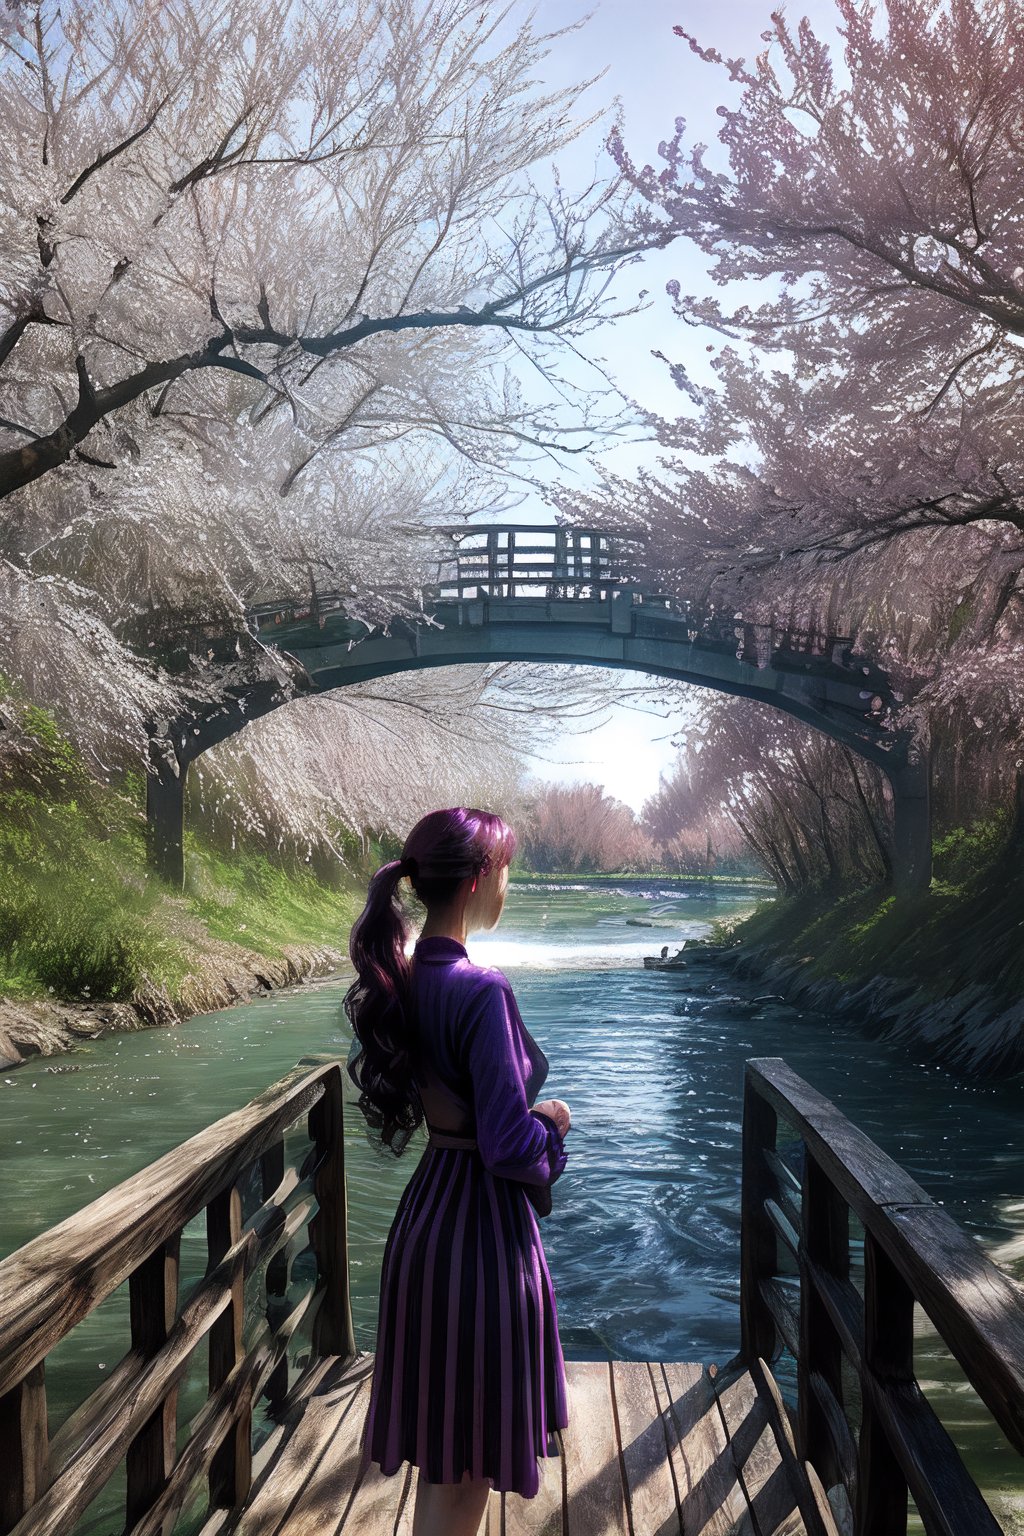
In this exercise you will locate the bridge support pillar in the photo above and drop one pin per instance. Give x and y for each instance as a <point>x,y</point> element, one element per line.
<point>622,609</point>
<point>165,812</point>
<point>912,822</point>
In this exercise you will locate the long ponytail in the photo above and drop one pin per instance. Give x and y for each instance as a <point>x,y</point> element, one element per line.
<point>378,1007</point>
<point>443,849</point>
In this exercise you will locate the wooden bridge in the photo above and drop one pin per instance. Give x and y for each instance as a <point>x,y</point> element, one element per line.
<point>837,1246</point>
<point>514,592</point>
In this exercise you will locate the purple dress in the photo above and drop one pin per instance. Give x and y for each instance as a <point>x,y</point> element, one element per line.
<point>468,1372</point>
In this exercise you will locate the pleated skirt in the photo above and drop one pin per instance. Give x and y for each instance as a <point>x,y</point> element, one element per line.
<point>468,1375</point>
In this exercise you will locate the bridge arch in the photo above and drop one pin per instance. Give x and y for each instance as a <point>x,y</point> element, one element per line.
<point>516,592</point>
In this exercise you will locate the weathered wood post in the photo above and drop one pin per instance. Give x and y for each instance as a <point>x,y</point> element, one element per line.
<point>881,1502</point>
<point>826,1245</point>
<point>328,1230</point>
<point>153,1307</point>
<point>758,1244</point>
<point>231,1468</point>
<point>24,1434</point>
<point>272,1167</point>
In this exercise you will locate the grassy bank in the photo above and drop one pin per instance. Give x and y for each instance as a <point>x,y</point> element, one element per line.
<point>945,969</point>
<point>83,920</point>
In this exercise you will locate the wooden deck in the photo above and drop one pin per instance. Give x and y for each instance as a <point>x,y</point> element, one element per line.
<point>651,1449</point>
<point>659,1449</point>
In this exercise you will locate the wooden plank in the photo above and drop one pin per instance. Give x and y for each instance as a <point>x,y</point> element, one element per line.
<point>105,1439</point>
<point>595,1498</point>
<point>785,1309</point>
<point>335,1406</point>
<point>865,1175</point>
<point>816,1522</point>
<point>825,1224</point>
<point>821,1500</point>
<point>946,1496</point>
<point>844,1306</point>
<point>105,1436</point>
<point>51,1283</point>
<point>830,1408</point>
<point>272,1178</point>
<point>213,1422</point>
<point>343,1494</point>
<point>649,1487</point>
<point>711,1501</point>
<point>267,1229</point>
<point>759,1466</point>
<point>322,1375</point>
<point>888,1354</point>
<point>78,1484</point>
<point>976,1307</point>
<point>782,1226</point>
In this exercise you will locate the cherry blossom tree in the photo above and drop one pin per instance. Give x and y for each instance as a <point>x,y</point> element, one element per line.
<point>579,829</point>
<point>878,195</point>
<point>809,812</point>
<point>283,212</point>
<point>855,467</point>
<point>284,286</point>
<point>376,756</point>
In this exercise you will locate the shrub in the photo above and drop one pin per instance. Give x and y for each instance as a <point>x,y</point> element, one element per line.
<point>80,953</point>
<point>966,851</point>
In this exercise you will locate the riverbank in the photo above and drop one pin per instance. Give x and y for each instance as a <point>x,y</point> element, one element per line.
<point>189,955</point>
<point>91,942</point>
<point>942,974</point>
<point>224,976</point>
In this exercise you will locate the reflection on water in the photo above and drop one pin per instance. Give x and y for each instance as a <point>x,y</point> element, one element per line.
<point>643,1241</point>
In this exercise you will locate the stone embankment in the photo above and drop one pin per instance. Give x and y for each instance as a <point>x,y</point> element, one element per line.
<point>969,1030</point>
<point>223,974</point>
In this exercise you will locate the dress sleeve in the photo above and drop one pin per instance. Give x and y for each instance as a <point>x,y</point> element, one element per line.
<point>514,1141</point>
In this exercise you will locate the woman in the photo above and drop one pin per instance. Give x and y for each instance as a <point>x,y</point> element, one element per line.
<point>469,1378</point>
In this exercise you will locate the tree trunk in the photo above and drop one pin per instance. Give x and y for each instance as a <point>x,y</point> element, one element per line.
<point>912,827</point>
<point>879,841</point>
<point>165,812</point>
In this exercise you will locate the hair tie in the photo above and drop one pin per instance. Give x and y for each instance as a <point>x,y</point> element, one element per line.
<point>408,865</point>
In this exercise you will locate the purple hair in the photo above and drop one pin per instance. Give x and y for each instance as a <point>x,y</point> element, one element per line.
<point>442,850</point>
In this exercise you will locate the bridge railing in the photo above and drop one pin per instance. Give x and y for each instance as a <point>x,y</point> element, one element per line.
<point>521,560</point>
<point>133,1233</point>
<point>524,561</point>
<point>799,1195</point>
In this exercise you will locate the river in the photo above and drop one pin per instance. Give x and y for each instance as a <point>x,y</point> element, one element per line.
<point>643,1241</point>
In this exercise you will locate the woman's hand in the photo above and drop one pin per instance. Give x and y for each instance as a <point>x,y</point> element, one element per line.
<point>559,1113</point>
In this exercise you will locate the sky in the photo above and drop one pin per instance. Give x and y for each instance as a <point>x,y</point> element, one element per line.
<point>656,78</point>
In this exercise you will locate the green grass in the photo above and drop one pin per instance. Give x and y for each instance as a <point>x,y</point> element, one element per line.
<point>246,899</point>
<point>967,927</point>
<point>76,911</point>
<point>82,918</point>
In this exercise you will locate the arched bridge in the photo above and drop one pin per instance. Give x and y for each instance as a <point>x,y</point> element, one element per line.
<point>517,592</point>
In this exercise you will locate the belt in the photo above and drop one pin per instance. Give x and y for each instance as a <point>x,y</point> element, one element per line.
<point>438,1138</point>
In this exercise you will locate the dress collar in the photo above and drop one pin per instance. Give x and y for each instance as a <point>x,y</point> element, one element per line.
<point>440,947</point>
